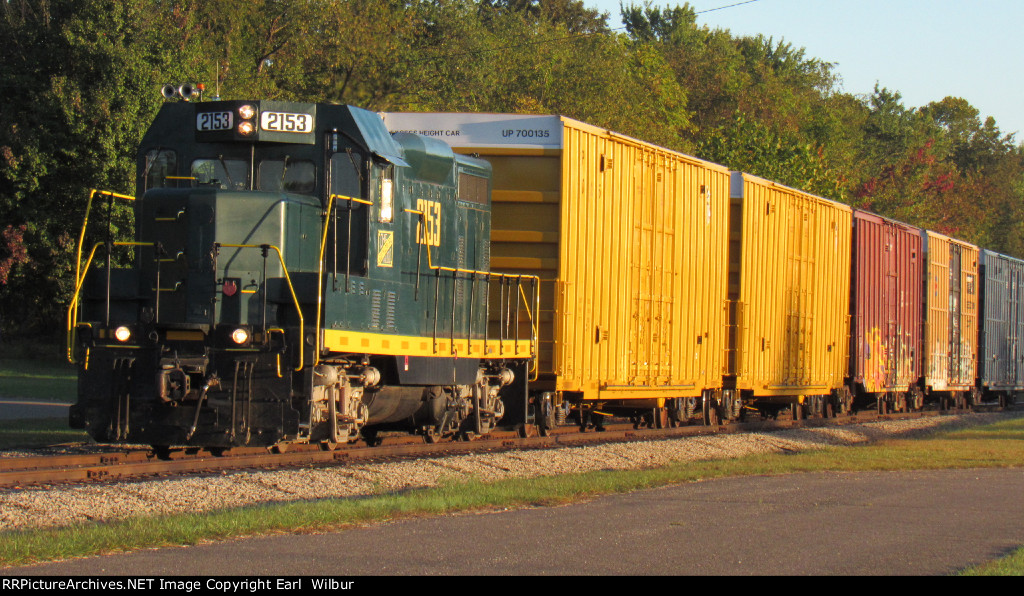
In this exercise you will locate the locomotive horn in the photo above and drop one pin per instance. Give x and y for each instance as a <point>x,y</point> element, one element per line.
<point>169,91</point>
<point>186,90</point>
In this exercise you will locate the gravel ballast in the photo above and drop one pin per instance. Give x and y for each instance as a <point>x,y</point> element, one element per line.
<point>29,508</point>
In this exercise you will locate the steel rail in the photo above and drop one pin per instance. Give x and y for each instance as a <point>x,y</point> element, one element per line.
<point>17,472</point>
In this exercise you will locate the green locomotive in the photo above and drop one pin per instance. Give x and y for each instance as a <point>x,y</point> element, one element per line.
<point>300,275</point>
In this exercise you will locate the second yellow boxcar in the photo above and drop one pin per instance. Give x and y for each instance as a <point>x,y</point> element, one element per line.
<point>630,240</point>
<point>789,292</point>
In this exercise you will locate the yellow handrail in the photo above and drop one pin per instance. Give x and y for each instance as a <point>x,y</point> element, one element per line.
<point>350,199</point>
<point>72,322</point>
<point>85,222</point>
<point>320,274</point>
<point>291,288</point>
<point>432,266</point>
<point>534,323</point>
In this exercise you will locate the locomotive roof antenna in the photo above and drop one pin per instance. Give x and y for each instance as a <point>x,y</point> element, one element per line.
<point>216,75</point>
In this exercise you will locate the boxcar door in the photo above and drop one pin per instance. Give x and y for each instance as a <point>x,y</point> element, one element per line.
<point>1014,278</point>
<point>955,302</point>
<point>890,305</point>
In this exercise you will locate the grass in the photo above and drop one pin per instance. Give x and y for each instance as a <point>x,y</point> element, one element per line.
<point>997,445</point>
<point>38,378</point>
<point>38,432</point>
<point>1012,564</point>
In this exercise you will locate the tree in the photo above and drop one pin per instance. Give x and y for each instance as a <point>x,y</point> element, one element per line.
<point>79,87</point>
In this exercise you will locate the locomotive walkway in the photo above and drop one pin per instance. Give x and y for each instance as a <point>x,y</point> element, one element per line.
<point>892,523</point>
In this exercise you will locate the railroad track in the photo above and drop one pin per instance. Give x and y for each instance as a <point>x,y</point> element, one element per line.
<point>16,472</point>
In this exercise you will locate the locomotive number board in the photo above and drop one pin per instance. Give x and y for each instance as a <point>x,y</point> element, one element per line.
<point>214,121</point>
<point>286,122</point>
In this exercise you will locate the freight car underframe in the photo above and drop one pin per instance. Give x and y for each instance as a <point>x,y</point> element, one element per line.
<point>710,407</point>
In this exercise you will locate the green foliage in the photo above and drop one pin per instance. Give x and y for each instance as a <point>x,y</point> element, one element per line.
<point>77,95</point>
<point>81,78</point>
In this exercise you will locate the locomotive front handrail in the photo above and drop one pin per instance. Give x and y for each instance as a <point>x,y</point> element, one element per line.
<point>111,195</point>
<point>291,288</point>
<point>72,321</point>
<point>85,222</point>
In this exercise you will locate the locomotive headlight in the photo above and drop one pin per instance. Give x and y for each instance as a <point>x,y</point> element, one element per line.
<point>246,128</point>
<point>247,112</point>
<point>239,336</point>
<point>122,334</point>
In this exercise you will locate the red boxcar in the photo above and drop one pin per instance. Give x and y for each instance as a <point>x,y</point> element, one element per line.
<point>885,308</point>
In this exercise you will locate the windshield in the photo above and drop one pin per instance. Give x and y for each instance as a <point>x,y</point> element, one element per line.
<point>286,175</point>
<point>228,174</point>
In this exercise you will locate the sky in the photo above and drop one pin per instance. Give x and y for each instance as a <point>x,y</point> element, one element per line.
<point>924,49</point>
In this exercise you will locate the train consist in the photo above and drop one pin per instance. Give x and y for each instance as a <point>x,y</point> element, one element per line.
<point>319,273</point>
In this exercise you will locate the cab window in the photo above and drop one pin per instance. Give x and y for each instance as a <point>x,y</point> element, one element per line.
<point>347,174</point>
<point>160,163</point>
<point>227,174</point>
<point>287,175</point>
<point>349,232</point>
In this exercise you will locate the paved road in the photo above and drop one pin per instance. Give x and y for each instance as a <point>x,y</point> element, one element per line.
<point>892,523</point>
<point>11,409</point>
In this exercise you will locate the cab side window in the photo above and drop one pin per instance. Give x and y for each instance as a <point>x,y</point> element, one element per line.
<point>348,236</point>
<point>160,163</point>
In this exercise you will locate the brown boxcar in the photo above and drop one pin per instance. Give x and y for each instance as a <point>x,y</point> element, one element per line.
<point>789,292</point>
<point>630,240</point>
<point>1001,355</point>
<point>885,309</point>
<point>951,318</point>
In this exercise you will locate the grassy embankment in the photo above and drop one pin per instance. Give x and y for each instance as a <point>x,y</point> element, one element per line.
<point>997,445</point>
<point>37,377</point>
<point>44,379</point>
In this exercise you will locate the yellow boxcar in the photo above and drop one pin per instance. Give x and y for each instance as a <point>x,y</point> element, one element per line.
<point>789,291</point>
<point>951,315</point>
<point>630,240</point>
